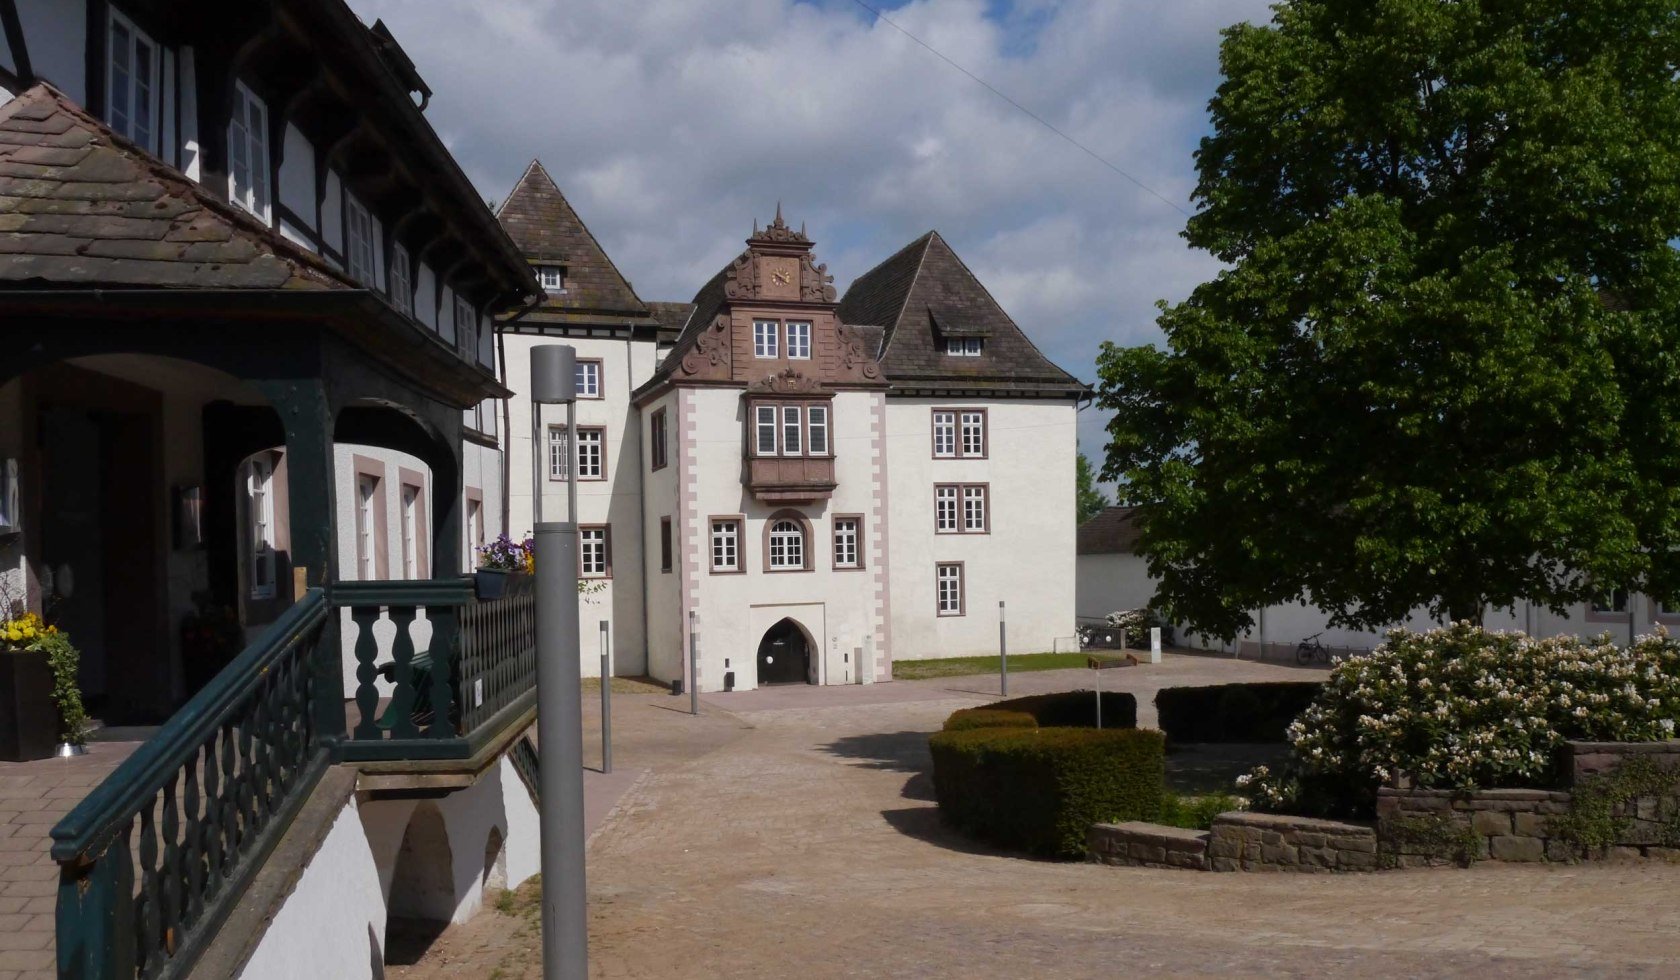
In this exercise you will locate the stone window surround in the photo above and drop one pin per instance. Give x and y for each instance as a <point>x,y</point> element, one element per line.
<point>858,565</point>
<point>559,429</point>
<point>600,378</point>
<point>789,514</point>
<point>606,547</point>
<point>740,522</point>
<point>956,414</point>
<point>667,547</point>
<point>659,428</point>
<point>962,589</point>
<point>804,405</point>
<point>962,507</point>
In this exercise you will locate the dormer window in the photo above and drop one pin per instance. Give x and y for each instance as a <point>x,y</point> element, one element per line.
<point>963,346</point>
<point>131,105</point>
<point>553,279</point>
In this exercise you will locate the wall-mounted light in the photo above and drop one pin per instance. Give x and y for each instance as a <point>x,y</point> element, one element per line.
<point>11,516</point>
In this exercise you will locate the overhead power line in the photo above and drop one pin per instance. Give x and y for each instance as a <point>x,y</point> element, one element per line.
<point>1093,154</point>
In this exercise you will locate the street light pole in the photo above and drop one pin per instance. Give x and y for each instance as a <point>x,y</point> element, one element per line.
<point>565,933</point>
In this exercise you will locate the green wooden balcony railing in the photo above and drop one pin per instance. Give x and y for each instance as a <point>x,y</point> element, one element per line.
<point>151,860</point>
<point>154,858</point>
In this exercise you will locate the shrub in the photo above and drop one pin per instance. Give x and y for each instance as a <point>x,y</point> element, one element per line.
<point>1040,790</point>
<point>1233,712</point>
<point>969,718</point>
<point>1195,812</point>
<point>1074,709</point>
<point>1463,708</point>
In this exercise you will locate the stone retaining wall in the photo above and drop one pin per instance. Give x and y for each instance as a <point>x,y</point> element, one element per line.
<point>1277,842</point>
<point>1147,845</point>
<point>1426,827</point>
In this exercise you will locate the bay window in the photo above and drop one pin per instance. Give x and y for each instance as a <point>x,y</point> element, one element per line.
<point>790,429</point>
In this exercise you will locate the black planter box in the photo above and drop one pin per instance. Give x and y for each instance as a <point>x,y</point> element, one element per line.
<point>28,720</point>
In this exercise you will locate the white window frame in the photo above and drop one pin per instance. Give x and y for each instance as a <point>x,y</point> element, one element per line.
<point>947,511</point>
<point>971,431</point>
<point>410,504</point>
<point>552,279</point>
<point>1599,606</point>
<point>766,338</point>
<point>250,144</point>
<point>402,280</point>
<point>948,589</point>
<point>974,509</point>
<point>558,457</point>
<point>963,346</point>
<point>787,545</point>
<point>358,240</point>
<point>726,545</point>
<point>944,434</point>
<point>473,530</point>
<point>143,92</point>
<point>799,340</point>
<point>259,515</point>
<point>588,378</point>
<point>466,328</point>
<point>766,422</point>
<point>816,430</point>
<point>594,560</point>
<point>793,431</point>
<point>847,538</point>
<point>591,454</point>
<point>367,557</point>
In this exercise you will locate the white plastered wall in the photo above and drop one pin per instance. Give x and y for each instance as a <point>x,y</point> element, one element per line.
<point>333,922</point>
<point>615,501</point>
<point>1111,583</point>
<point>838,608</point>
<point>1027,559</point>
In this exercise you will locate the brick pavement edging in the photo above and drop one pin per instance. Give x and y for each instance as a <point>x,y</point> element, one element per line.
<point>1426,828</point>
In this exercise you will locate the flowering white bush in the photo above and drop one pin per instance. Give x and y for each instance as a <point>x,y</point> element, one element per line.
<point>1464,707</point>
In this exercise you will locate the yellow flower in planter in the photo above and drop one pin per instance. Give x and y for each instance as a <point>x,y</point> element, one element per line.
<point>14,634</point>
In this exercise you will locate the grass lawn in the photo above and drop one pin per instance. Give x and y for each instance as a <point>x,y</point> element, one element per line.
<point>912,670</point>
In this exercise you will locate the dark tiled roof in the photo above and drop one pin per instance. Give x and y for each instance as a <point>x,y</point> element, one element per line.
<point>82,206</point>
<point>542,223</point>
<point>1112,532</point>
<point>708,302</point>
<point>672,318</point>
<point>925,293</point>
<point>870,337</point>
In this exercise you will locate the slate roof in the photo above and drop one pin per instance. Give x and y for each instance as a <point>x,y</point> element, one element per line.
<point>923,294</point>
<point>543,224</point>
<point>1111,532</point>
<point>672,318</point>
<point>80,205</point>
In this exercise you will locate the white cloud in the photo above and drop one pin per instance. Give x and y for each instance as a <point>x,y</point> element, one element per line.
<point>672,124</point>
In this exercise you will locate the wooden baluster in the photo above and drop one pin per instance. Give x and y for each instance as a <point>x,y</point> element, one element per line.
<point>231,796</point>
<point>214,818</point>
<point>446,639</point>
<point>406,698</point>
<point>146,919</point>
<point>169,872</point>
<point>192,851</point>
<point>367,693</point>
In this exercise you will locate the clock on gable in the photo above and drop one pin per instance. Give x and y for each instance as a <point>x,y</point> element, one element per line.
<point>778,277</point>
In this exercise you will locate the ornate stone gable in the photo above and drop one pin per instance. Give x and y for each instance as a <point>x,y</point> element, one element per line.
<point>777,279</point>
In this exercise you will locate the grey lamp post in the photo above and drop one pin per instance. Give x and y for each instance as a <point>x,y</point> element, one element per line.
<point>565,932</point>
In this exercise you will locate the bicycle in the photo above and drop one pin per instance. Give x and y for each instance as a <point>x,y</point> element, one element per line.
<point>1310,650</point>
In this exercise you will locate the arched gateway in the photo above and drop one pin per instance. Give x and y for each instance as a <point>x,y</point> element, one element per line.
<point>784,655</point>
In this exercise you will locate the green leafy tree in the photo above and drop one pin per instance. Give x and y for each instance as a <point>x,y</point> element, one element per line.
<point>1440,368</point>
<point>1091,499</point>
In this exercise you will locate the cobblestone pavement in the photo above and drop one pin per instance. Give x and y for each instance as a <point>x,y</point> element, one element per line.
<point>33,797</point>
<point>807,845</point>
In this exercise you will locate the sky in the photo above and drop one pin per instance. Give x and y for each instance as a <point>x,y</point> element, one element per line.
<point>671,125</point>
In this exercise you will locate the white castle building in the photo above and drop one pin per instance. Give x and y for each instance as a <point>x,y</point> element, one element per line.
<point>827,483</point>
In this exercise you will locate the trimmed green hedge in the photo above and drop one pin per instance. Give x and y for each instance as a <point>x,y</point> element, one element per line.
<point>967,719</point>
<point>1074,709</point>
<point>1233,712</point>
<point>1041,789</point>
